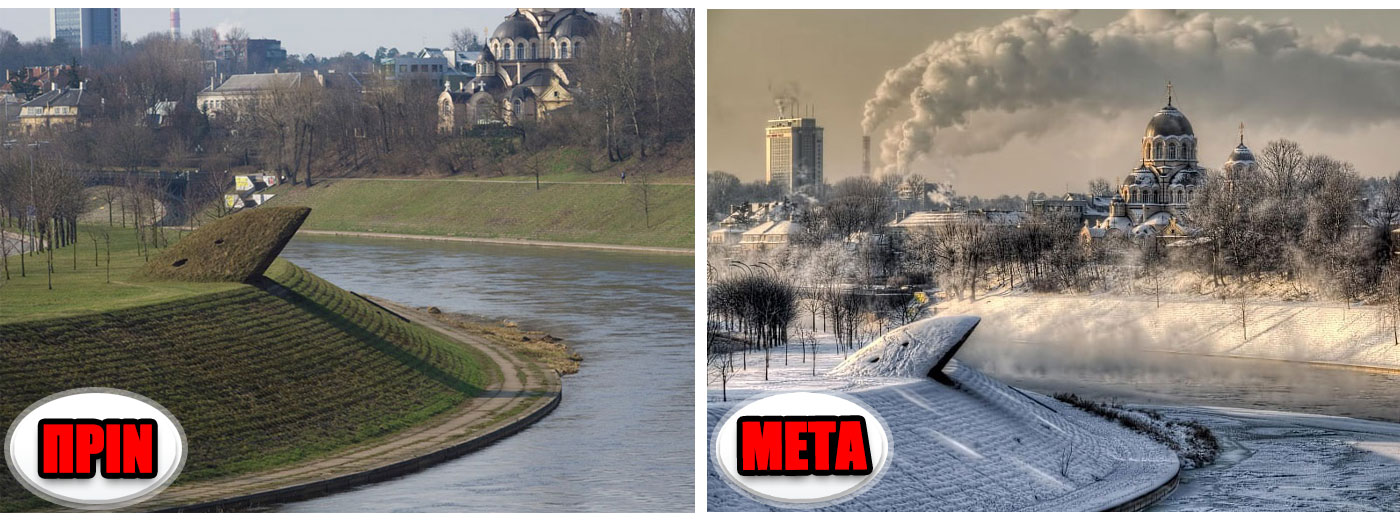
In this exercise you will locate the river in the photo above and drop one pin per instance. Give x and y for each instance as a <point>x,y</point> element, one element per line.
<point>1161,378</point>
<point>622,439</point>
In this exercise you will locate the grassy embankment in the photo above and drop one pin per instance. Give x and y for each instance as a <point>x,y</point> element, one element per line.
<point>590,213</point>
<point>260,375</point>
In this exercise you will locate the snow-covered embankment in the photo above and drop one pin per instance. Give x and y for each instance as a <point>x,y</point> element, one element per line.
<point>966,443</point>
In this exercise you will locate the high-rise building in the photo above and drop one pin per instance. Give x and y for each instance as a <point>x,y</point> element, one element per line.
<point>85,28</point>
<point>794,152</point>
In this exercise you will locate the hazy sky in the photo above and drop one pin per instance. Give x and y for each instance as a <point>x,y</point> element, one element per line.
<point>323,32</point>
<point>1029,133</point>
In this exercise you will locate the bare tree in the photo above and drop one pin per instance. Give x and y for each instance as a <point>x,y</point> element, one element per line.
<point>641,188</point>
<point>1390,291</point>
<point>1100,188</point>
<point>466,39</point>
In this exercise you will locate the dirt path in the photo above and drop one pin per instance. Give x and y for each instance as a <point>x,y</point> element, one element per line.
<point>518,242</point>
<point>523,392</point>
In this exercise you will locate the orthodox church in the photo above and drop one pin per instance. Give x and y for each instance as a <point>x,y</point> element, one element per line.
<point>523,71</point>
<point>1154,198</point>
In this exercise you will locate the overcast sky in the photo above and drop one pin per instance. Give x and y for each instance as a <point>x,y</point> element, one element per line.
<point>1013,141</point>
<point>323,32</point>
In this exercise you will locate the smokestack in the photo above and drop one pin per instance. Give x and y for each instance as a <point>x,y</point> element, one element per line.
<point>865,155</point>
<point>175,22</point>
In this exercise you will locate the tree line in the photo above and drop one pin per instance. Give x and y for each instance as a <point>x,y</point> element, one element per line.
<point>635,98</point>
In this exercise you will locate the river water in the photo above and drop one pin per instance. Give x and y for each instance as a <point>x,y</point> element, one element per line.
<point>622,439</point>
<point>1160,378</point>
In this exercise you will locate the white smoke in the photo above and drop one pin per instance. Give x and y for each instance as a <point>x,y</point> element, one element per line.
<point>1039,67</point>
<point>787,97</point>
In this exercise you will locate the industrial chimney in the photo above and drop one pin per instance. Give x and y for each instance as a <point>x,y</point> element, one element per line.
<point>865,155</point>
<point>175,23</point>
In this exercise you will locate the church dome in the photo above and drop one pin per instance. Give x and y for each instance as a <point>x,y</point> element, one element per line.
<point>515,26</point>
<point>574,26</point>
<point>1169,122</point>
<point>1241,154</point>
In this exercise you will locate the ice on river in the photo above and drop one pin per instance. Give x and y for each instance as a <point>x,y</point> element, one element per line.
<point>1282,461</point>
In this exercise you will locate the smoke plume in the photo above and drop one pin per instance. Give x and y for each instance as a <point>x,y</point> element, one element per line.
<point>786,96</point>
<point>1033,70</point>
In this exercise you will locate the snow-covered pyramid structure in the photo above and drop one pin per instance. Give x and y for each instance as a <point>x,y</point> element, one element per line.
<point>967,442</point>
<point>918,349</point>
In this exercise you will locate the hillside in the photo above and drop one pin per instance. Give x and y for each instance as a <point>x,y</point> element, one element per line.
<point>260,375</point>
<point>591,212</point>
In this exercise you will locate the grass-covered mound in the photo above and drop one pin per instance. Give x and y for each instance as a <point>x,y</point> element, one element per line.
<point>237,248</point>
<point>593,213</point>
<point>81,279</point>
<point>259,375</point>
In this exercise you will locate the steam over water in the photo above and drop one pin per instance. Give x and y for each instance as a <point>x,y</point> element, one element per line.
<point>622,440</point>
<point>1152,377</point>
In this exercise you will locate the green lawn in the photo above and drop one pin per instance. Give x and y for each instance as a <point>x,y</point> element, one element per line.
<point>608,214</point>
<point>258,380</point>
<point>85,289</point>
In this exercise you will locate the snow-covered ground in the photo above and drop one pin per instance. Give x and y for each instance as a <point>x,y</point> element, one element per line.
<point>1308,331</point>
<point>976,445</point>
<point>1281,461</point>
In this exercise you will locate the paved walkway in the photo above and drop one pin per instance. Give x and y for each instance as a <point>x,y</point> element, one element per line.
<point>517,242</point>
<point>520,391</point>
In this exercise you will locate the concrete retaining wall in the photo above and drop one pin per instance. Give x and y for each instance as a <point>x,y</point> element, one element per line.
<point>323,487</point>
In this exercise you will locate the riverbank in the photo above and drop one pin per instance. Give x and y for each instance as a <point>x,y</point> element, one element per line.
<point>1281,461</point>
<point>524,393</point>
<point>1298,331</point>
<point>599,215</point>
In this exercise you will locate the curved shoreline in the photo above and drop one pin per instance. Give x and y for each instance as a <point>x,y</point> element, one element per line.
<point>326,487</point>
<point>1148,499</point>
<point>507,241</point>
<point>528,382</point>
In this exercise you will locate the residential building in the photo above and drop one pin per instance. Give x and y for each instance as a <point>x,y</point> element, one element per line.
<point>432,65</point>
<point>794,153</point>
<point>243,89</point>
<point>58,109</point>
<point>239,89</point>
<point>87,27</point>
<point>770,235</point>
<point>28,82</point>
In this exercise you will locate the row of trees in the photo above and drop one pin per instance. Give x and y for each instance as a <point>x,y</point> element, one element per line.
<point>39,209</point>
<point>42,200</point>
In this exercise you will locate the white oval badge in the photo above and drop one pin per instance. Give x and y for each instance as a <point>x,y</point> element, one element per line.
<point>802,449</point>
<point>95,448</point>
